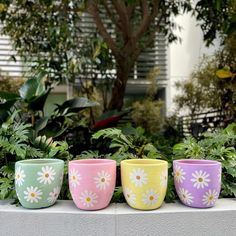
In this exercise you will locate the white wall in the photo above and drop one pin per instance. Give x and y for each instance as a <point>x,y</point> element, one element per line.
<point>64,219</point>
<point>185,56</point>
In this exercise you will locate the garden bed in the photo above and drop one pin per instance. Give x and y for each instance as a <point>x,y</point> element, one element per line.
<point>119,219</point>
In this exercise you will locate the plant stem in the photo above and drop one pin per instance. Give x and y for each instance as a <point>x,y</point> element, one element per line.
<point>33,119</point>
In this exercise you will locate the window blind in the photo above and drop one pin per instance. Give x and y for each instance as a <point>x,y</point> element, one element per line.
<point>153,56</point>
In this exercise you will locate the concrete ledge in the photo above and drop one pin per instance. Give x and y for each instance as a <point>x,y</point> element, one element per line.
<point>64,219</point>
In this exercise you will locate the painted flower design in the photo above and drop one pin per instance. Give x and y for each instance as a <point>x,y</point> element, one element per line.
<point>129,196</point>
<point>102,180</point>
<point>164,179</point>
<point>33,194</point>
<point>19,176</point>
<point>210,197</point>
<point>46,175</point>
<point>185,196</point>
<point>179,174</point>
<point>138,177</point>
<point>88,198</point>
<point>150,197</point>
<point>53,195</point>
<point>74,178</point>
<point>200,179</point>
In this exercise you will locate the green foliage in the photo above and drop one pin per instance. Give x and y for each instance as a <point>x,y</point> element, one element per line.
<point>219,145</point>
<point>31,101</point>
<point>9,84</point>
<point>148,113</point>
<point>217,16</point>
<point>45,33</point>
<point>123,144</point>
<point>212,85</point>
<point>205,91</point>
<point>16,144</point>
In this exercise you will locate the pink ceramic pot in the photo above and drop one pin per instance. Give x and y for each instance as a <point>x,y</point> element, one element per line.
<point>92,182</point>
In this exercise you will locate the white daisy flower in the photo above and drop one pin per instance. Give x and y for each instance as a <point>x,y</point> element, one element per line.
<point>129,196</point>
<point>150,197</point>
<point>185,196</point>
<point>179,174</point>
<point>74,178</point>
<point>33,194</point>
<point>164,178</point>
<point>46,175</point>
<point>88,198</point>
<point>19,176</point>
<point>210,197</point>
<point>102,180</point>
<point>200,179</point>
<point>54,195</point>
<point>138,177</point>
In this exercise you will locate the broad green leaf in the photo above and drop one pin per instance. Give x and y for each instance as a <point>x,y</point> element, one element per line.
<point>9,96</point>
<point>76,104</point>
<point>29,89</point>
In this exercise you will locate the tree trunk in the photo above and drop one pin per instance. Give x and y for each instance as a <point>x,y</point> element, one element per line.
<point>118,90</point>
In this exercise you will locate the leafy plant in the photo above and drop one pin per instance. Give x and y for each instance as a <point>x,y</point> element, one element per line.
<point>31,100</point>
<point>148,113</point>
<point>122,144</point>
<point>16,144</point>
<point>7,85</point>
<point>219,145</point>
<point>212,86</point>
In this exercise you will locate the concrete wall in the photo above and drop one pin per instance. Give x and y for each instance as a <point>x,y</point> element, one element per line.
<point>64,219</point>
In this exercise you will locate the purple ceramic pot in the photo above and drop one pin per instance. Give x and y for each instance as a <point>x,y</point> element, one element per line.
<point>197,182</point>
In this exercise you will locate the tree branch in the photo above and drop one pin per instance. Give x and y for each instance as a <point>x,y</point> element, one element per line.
<point>147,18</point>
<point>93,10</point>
<point>111,14</point>
<point>122,12</point>
<point>150,39</point>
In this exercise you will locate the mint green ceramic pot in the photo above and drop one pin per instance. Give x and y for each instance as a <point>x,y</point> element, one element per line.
<point>38,181</point>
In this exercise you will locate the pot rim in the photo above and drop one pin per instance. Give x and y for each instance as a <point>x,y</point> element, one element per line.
<point>41,161</point>
<point>144,162</point>
<point>194,162</point>
<point>92,162</point>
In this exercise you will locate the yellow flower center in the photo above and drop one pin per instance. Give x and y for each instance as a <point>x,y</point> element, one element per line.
<point>46,175</point>
<point>177,173</point>
<point>18,176</point>
<point>103,180</point>
<point>211,198</point>
<point>32,194</point>
<point>151,198</point>
<point>88,199</point>
<point>200,179</point>
<point>138,177</point>
<point>73,177</point>
<point>184,196</point>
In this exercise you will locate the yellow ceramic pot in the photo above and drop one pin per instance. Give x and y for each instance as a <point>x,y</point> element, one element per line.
<point>144,182</point>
